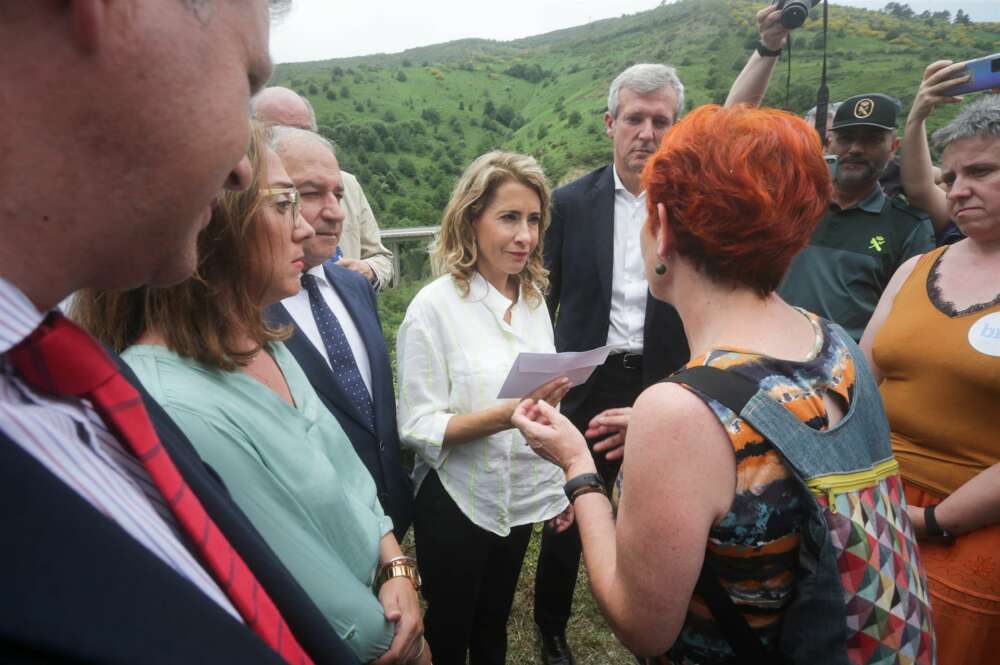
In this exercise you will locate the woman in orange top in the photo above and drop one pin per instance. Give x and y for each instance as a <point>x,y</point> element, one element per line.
<point>935,341</point>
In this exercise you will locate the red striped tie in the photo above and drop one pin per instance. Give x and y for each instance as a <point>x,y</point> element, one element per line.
<point>60,358</point>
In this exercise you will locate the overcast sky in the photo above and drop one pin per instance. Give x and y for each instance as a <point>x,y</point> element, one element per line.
<point>323,29</point>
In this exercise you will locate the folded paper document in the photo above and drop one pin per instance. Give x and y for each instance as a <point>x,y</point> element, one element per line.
<point>533,370</point>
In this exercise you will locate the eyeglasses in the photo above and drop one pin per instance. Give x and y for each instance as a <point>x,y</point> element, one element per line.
<point>286,200</point>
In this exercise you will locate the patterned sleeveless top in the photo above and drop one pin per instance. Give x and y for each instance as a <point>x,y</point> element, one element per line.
<point>754,548</point>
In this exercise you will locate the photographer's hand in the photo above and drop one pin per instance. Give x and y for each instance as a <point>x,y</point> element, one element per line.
<point>751,85</point>
<point>938,77</point>
<point>773,34</point>
<point>916,167</point>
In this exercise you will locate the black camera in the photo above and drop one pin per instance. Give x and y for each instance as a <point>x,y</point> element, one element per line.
<point>794,12</point>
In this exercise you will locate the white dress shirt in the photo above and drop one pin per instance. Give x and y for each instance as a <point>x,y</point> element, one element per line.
<point>628,277</point>
<point>454,353</point>
<point>301,312</point>
<point>71,440</point>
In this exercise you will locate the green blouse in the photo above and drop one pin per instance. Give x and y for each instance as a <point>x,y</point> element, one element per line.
<point>293,472</point>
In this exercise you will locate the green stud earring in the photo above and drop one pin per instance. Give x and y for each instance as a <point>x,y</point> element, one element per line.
<point>660,269</point>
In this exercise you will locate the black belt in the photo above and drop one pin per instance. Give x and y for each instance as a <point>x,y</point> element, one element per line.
<point>628,361</point>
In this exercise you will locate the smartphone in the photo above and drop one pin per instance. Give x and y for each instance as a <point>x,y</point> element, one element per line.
<point>985,75</point>
<point>831,162</point>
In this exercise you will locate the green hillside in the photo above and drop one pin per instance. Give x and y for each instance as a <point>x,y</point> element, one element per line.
<point>408,123</point>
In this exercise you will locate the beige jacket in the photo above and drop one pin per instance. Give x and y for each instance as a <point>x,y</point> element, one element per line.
<point>361,238</point>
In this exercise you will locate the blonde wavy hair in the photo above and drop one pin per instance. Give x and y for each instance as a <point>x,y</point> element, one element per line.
<point>455,251</point>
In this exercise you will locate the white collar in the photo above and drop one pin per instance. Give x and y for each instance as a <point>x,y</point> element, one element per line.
<point>480,290</point>
<point>18,316</point>
<point>319,273</point>
<point>619,187</point>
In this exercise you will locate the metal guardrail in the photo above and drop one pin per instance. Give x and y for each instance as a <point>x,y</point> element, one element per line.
<point>392,239</point>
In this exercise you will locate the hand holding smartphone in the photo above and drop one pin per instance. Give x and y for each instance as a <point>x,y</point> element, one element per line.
<point>984,72</point>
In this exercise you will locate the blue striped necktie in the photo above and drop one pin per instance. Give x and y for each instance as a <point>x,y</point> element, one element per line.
<point>342,362</point>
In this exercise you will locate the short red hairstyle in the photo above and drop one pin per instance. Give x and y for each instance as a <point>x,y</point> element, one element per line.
<point>744,189</point>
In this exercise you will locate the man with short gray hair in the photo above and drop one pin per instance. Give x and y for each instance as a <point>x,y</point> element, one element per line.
<point>281,106</point>
<point>360,243</point>
<point>599,296</point>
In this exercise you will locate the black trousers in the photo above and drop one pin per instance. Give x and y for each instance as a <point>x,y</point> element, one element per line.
<point>559,557</point>
<point>469,578</point>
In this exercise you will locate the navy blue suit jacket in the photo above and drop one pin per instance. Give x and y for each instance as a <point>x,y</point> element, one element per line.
<point>579,253</point>
<point>78,588</point>
<point>378,448</point>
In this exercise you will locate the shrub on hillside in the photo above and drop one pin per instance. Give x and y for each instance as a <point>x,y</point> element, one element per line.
<point>380,165</point>
<point>407,168</point>
<point>431,116</point>
<point>532,73</point>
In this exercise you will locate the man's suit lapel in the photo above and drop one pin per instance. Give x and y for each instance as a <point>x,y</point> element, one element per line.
<point>601,222</point>
<point>314,365</point>
<point>75,581</point>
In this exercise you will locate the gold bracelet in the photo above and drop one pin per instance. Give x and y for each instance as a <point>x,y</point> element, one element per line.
<point>400,566</point>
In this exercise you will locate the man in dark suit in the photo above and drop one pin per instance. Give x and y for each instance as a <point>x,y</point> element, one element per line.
<point>337,336</point>
<point>599,296</point>
<point>105,560</point>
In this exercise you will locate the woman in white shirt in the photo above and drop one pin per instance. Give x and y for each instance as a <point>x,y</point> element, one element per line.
<point>479,487</point>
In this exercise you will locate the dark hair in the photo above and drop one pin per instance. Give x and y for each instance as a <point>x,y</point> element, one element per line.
<point>743,188</point>
<point>198,317</point>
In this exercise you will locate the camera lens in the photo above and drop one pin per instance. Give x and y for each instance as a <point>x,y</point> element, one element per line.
<point>793,15</point>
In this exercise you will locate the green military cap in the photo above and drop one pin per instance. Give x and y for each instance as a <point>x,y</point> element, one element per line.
<point>875,110</point>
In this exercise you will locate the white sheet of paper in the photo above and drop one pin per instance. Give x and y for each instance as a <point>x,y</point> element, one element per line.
<point>533,370</point>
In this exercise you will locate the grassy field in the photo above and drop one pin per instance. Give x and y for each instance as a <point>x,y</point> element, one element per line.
<point>588,634</point>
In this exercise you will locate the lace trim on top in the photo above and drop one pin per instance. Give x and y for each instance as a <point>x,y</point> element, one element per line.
<point>947,307</point>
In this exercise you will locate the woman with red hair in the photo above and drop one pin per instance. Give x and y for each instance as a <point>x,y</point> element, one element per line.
<point>733,195</point>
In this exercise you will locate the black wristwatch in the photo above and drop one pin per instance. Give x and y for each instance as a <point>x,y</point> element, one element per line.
<point>934,529</point>
<point>585,483</point>
<point>765,52</point>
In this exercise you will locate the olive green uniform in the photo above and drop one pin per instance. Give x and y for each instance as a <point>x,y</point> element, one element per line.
<point>851,257</point>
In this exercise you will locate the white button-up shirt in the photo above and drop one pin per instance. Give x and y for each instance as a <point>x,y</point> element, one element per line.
<point>70,439</point>
<point>628,277</point>
<point>301,312</point>
<point>454,353</point>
